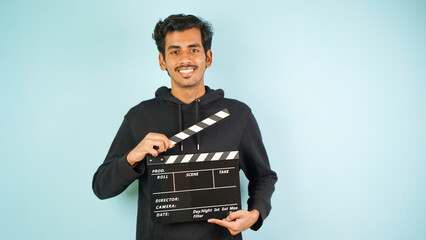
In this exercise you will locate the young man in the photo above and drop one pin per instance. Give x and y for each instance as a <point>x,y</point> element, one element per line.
<point>184,43</point>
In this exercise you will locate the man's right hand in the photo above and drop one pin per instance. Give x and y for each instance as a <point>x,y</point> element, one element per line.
<point>151,140</point>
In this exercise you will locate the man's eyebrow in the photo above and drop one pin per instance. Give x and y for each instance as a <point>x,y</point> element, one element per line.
<point>172,46</point>
<point>194,45</point>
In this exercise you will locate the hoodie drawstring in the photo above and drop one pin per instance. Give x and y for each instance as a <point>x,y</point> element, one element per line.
<point>180,125</point>
<point>197,101</point>
<point>196,121</point>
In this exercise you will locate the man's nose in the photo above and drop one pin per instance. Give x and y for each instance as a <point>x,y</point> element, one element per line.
<point>185,58</point>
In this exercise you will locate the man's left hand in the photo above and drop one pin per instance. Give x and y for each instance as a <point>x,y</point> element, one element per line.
<point>237,221</point>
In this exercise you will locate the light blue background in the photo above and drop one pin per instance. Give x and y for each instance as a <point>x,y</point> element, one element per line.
<point>338,89</point>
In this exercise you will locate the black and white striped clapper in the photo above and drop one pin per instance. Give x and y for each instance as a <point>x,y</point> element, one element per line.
<point>199,126</point>
<point>194,187</point>
<point>197,157</point>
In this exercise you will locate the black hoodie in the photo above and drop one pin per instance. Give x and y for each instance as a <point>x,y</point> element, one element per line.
<point>168,115</point>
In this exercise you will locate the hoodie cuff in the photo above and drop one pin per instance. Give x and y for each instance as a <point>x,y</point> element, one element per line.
<point>127,172</point>
<point>263,212</point>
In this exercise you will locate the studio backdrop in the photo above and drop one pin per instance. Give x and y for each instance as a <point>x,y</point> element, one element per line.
<point>338,89</point>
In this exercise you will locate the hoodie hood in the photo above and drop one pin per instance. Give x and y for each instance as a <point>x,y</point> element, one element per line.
<point>164,94</point>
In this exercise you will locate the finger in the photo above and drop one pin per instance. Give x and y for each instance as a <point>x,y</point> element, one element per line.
<point>161,136</point>
<point>156,144</point>
<point>151,151</point>
<point>224,223</point>
<point>166,141</point>
<point>220,222</point>
<point>235,215</point>
<point>159,145</point>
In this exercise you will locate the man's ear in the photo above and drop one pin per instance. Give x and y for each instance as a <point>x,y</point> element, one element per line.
<point>162,61</point>
<point>209,58</point>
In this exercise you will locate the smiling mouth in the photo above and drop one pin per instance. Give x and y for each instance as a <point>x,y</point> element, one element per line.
<point>186,71</point>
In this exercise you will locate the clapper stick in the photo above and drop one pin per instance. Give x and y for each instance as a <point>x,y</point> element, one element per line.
<point>199,126</point>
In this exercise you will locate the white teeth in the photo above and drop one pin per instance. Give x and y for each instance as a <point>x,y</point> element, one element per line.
<point>186,71</point>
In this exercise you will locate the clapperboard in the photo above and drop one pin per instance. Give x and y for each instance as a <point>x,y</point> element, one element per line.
<point>194,187</point>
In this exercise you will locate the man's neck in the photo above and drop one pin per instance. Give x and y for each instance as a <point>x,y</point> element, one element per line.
<point>188,95</point>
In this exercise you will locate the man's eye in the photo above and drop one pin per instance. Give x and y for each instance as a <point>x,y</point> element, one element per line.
<point>194,50</point>
<point>174,52</point>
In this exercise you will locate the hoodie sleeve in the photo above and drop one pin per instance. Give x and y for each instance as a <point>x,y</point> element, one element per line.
<point>115,174</point>
<point>255,164</point>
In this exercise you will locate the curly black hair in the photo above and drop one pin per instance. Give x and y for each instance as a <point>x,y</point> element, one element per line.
<point>182,22</point>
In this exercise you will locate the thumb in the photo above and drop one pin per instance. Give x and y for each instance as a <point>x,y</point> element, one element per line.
<point>234,215</point>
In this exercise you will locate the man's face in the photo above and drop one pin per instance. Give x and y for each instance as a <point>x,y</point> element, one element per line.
<point>184,59</point>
